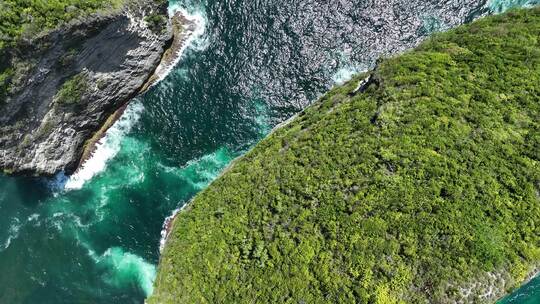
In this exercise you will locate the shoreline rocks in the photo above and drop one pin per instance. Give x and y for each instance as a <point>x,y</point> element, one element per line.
<point>182,29</point>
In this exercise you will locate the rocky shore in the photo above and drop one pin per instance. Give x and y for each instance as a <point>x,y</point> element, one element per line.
<point>71,80</point>
<point>182,29</point>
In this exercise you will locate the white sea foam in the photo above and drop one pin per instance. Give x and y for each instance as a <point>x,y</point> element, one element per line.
<point>15,227</point>
<point>106,148</point>
<point>194,39</point>
<point>61,220</point>
<point>198,173</point>
<point>13,233</point>
<point>500,6</point>
<point>167,225</point>
<point>344,74</point>
<point>109,146</point>
<point>196,15</point>
<point>33,217</point>
<point>122,269</point>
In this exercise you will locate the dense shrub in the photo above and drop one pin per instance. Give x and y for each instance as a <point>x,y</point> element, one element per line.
<point>156,22</point>
<point>402,193</point>
<point>72,90</point>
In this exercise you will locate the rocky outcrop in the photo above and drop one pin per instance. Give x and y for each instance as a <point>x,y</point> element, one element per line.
<point>69,81</point>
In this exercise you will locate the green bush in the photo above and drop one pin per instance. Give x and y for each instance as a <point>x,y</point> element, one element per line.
<point>403,193</point>
<point>28,18</point>
<point>5,78</point>
<point>156,22</point>
<point>72,90</point>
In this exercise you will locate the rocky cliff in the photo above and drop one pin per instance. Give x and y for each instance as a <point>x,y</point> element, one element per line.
<point>68,81</point>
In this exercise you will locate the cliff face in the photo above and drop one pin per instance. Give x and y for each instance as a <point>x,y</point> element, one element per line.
<point>70,80</point>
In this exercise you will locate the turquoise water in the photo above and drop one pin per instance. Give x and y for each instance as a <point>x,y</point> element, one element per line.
<point>94,237</point>
<point>527,294</point>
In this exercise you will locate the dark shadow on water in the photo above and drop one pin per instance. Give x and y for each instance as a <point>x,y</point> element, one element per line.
<point>28,191</point>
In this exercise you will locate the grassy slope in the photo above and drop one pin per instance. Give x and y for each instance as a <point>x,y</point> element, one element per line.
<point>407,191</point>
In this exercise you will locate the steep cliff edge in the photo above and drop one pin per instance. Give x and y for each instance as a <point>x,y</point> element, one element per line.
<point>64,84</point>
<point>417,182</point>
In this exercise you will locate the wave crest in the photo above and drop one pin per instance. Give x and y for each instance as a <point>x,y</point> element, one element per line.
<point>106,148</point>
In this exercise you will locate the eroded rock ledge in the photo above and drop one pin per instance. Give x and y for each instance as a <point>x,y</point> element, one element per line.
<point>72,79</point>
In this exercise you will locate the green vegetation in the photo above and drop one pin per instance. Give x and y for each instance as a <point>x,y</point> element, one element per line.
<point>5,78</point>
<point>68,58</point>
<point>28,17</point>
<point>72,90</point>
<point>156,22</point>
<point>400,194</point>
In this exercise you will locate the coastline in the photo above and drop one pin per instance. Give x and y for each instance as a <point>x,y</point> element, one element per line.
<point>247,206</point>
<point>71,92</point>
<point>183,29</point>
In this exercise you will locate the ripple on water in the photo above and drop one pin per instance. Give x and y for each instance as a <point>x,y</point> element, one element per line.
<point>500,6</point>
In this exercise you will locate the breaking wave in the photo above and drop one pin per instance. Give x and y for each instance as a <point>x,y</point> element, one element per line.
<point>193,31</point>
<point>344,74</point>
<point>107,147</point>
<point>110,144</point>
<point>122,269</point>
<point>198,41</point>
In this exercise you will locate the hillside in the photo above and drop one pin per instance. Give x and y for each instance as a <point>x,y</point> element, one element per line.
<point>421,186</point>
<point>26,19</point>
<point>65,67</point>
